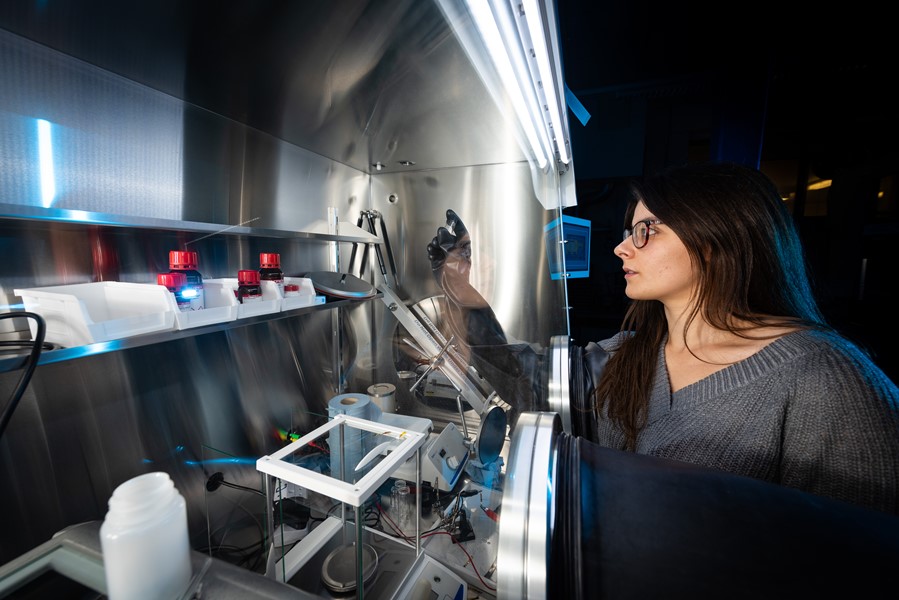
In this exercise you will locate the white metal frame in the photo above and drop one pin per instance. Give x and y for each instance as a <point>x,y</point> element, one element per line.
<point>355,494</point>
<point>351,493</point>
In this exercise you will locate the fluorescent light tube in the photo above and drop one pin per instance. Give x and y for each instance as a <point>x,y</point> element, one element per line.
<point>486,24</point>
<point>534,21</point>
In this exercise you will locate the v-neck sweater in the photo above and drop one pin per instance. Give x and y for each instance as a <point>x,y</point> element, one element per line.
<point>809,410</point>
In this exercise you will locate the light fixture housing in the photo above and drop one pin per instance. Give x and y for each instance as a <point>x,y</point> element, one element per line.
<point>513,45</point>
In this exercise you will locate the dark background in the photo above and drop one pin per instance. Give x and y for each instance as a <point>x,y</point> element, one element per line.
<point>805,95</point>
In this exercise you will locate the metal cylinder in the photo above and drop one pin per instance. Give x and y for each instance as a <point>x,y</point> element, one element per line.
<point>384,395</point>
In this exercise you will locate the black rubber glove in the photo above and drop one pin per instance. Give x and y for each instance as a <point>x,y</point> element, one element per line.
<point>436,255</point>
<point>587,365</point>
<point>454,236</point>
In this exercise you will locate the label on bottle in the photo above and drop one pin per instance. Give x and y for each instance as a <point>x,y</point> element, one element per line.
<point>174,282</point>
<point>248,293</point>
<point>183,303</point>
<point>271,274</point>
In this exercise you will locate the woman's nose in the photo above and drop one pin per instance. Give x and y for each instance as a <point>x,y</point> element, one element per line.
<point>623,248</point>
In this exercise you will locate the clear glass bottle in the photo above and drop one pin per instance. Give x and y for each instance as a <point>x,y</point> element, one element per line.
<point>185,261</point>
<point>401,502</point>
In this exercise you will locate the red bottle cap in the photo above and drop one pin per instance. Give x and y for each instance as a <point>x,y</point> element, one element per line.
<point>182,259</point>
<point>269,260</point>
<point>248,277</point>
<point>173,281</point>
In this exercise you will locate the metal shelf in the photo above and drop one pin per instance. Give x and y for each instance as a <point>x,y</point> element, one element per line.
<point>65,354</point>
<point>82,218</point>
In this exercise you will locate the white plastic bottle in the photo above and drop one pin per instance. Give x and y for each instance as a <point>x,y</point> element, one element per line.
<point>146,550</point>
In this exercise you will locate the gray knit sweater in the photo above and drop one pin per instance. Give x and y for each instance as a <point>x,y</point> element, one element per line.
<point>809,410</point>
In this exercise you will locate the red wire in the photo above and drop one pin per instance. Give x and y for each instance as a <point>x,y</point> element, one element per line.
<point>323,449</point>
<point>396,528</point>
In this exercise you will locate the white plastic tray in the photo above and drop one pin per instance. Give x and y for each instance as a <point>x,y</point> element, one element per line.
<point>220,307</point>
<point>270,303</point>
<point>307,295</point>
<point>85,313</point>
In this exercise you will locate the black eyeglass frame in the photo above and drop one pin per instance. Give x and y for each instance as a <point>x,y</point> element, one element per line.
<point>632,232</point>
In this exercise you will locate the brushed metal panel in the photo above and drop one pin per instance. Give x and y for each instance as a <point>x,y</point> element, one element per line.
<point>510,266</point>
<point>358,82</point>
<point>189,407</point>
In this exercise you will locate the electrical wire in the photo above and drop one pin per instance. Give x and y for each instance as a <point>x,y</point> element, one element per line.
<point>30,364</point>
<point>215,481</point>
<point>18,344</point>
<point>218,479</point>
<point>459,545</point>
<point>433,532</point>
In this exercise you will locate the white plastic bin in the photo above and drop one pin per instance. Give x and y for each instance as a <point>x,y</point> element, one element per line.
<point>307,295</point>
<point>85,313</point>
<point>221,307</point>
<point>270,303</point>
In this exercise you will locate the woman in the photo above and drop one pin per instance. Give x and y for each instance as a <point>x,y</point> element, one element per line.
<point>724,359</point>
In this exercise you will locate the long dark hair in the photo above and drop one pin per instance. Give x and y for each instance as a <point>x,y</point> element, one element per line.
<point>749,260</point>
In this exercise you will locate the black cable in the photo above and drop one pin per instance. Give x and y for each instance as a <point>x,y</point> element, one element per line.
<point>29,367</point>
<point>218,479</point>
<point>242,487</point>
<point>215,481</point>
<point>15,344</point>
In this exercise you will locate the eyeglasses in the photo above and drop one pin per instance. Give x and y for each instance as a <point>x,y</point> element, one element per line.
<point>640,232</point>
